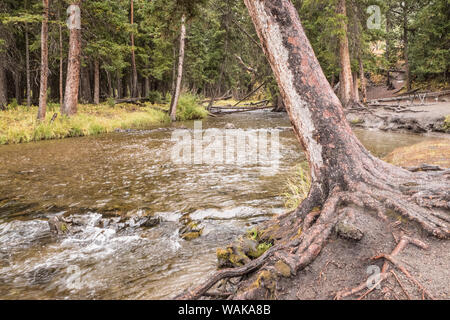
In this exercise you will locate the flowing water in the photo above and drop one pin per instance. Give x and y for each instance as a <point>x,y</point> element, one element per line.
<point>105,182</point>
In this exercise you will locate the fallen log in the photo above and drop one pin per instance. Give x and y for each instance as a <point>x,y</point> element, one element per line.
<point>412,94</point>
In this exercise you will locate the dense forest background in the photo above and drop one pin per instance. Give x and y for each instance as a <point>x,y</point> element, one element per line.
<point>131,48</point>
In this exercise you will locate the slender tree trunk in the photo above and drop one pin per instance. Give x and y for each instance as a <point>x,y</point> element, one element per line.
<point>355,87</point>
<point>134,90</point>
<point>362,80</point>
<point>347,93</point>
<point>86,93</point>
<point>346,179</point>
<point>96,81</point>
<point>61,63</point>
<point>119,85</point>
<point>44,64</point>
<point>146,87</point>
<point>176,96</point>
<point>3,86</point>
<point>70,106</point>
<point>406,45</point>
<point>27,58</point>
<point>388,46</point>
<point>17,83</point>
<point>110,87</point>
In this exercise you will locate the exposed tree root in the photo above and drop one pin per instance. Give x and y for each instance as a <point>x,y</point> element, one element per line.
<point>404,241</point>
<point>422,197</point>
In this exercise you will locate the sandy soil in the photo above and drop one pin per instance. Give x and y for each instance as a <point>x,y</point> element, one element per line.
<point>344,264</point>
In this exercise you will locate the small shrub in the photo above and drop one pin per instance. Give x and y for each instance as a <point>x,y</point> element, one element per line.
<point>111,102</point>
<point>189,108</point>
<point>155,97</point>
<point>13,105</point>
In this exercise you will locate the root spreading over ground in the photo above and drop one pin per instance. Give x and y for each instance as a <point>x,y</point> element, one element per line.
<point>421,196</point>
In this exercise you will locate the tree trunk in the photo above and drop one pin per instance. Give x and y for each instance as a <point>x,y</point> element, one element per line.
<point>146,87</point>
<point>44,64</point>
<point>86,93</point>
<point>388,46</point>
<point>345,178</point>
<point>70,105</point>
<point>355,86</point>
<point>134,88</point>
<point>362,80</point>
<point>61,63</point>
<point>347,93</point>
<point>406,45</point>
<point>110,87</point>
<point>27,58</point>
<point>176,95</point>
<point>96,82</point>
<point>17,85</point>
<point>3,86</point>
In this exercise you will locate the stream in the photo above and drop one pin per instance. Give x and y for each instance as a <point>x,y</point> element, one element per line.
<point>97,181</point>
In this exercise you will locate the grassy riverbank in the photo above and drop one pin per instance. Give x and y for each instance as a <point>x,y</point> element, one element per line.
<point>19,124</point>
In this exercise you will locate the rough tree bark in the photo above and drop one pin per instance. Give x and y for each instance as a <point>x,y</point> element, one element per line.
<point>73,69</point>
<point>44,64</point>
<point>177,91</point>
<point>347,93</point>
<point>346,178</point>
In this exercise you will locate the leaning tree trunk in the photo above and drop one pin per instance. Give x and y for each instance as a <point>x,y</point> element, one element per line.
<point>44,64</point>
<point>346,89</point>
<point>73,69</point>
<point>177,91</point>
<point>346,178</point>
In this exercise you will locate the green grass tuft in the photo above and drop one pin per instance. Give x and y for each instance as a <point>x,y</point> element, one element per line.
<point>297,187</point>
<point>189,108</point>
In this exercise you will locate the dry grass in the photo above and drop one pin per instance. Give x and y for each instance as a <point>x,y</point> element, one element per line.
<point>436,152</point>
<point>19,125</point>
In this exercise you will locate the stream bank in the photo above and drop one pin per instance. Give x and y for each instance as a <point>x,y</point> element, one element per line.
<point>112,184</point>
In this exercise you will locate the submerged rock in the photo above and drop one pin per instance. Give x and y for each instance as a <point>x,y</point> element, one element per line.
<point>59,225</point>
<point>230,126</point>
<point>191,230</point>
